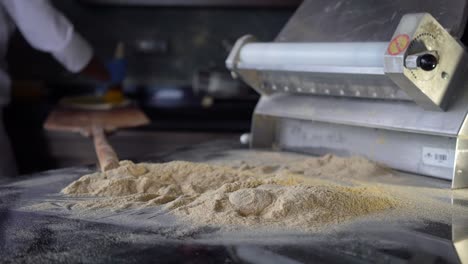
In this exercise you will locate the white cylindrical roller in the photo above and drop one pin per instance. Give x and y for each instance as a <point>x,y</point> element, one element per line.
<point>359,54</point>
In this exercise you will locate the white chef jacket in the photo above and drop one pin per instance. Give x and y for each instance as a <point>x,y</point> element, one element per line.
<point>47,30</point>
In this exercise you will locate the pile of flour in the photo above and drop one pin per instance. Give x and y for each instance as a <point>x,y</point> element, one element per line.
<point>296,195</point>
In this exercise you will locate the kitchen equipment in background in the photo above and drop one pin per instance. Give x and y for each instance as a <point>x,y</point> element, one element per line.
<point>150,46</point>
<point>117,68</point>
<point>219,85</point>
<point>90,102</point>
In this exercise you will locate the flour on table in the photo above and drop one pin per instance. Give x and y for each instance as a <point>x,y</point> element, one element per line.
<point>296,196</point>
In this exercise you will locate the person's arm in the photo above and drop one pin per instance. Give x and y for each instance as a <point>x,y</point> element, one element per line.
<point>46,29</point>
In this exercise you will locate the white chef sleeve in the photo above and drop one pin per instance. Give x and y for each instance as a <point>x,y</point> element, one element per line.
<point>46,29</point>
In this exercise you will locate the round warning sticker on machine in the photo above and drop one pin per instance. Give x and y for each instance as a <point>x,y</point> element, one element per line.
<point>398,44</point>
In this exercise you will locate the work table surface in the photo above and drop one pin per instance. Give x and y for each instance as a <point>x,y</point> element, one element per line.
<point>27,236</point>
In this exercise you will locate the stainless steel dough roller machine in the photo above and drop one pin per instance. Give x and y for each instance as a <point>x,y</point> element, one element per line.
<point>401,101</point>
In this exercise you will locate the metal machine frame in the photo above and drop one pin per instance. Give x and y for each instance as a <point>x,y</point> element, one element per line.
<point>399,114</point>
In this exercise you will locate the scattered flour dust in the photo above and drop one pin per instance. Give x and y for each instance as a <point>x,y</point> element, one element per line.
<point>296,196</point>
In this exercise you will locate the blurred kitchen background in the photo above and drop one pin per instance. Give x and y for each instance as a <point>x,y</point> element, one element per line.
<point>175,52</point>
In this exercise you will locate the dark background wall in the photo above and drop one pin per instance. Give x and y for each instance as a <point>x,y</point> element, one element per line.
<point>189,38</point>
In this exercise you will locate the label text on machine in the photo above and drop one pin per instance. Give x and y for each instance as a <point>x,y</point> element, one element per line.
<point>438,157</point>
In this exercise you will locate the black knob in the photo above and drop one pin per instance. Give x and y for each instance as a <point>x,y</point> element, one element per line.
<point>427,62</point>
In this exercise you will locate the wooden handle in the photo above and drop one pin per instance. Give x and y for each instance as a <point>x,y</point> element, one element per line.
<point>107,157</point>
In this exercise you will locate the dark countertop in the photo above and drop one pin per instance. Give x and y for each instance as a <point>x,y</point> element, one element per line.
<point>44,238</point>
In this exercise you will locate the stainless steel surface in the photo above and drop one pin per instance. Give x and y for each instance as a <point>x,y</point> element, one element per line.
<point>429,89</point>
<point>398,132</point>
<point>233,58</point>
<point>461,245</point>
<point>54,234</point>
<point>399,150</point>
<point>353,21</point>
<point>263,134</point>
<point>336,81</point>
<point>366,20</point>
<point>398,77</point>
<point>346,81</point>
<point>399,116</point>
<point>460,233</point>
<point>460,172</point>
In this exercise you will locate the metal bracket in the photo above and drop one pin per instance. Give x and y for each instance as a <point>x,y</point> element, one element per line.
<point>415,36</point>
<point>460,171</point>
<point>233,58</point>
